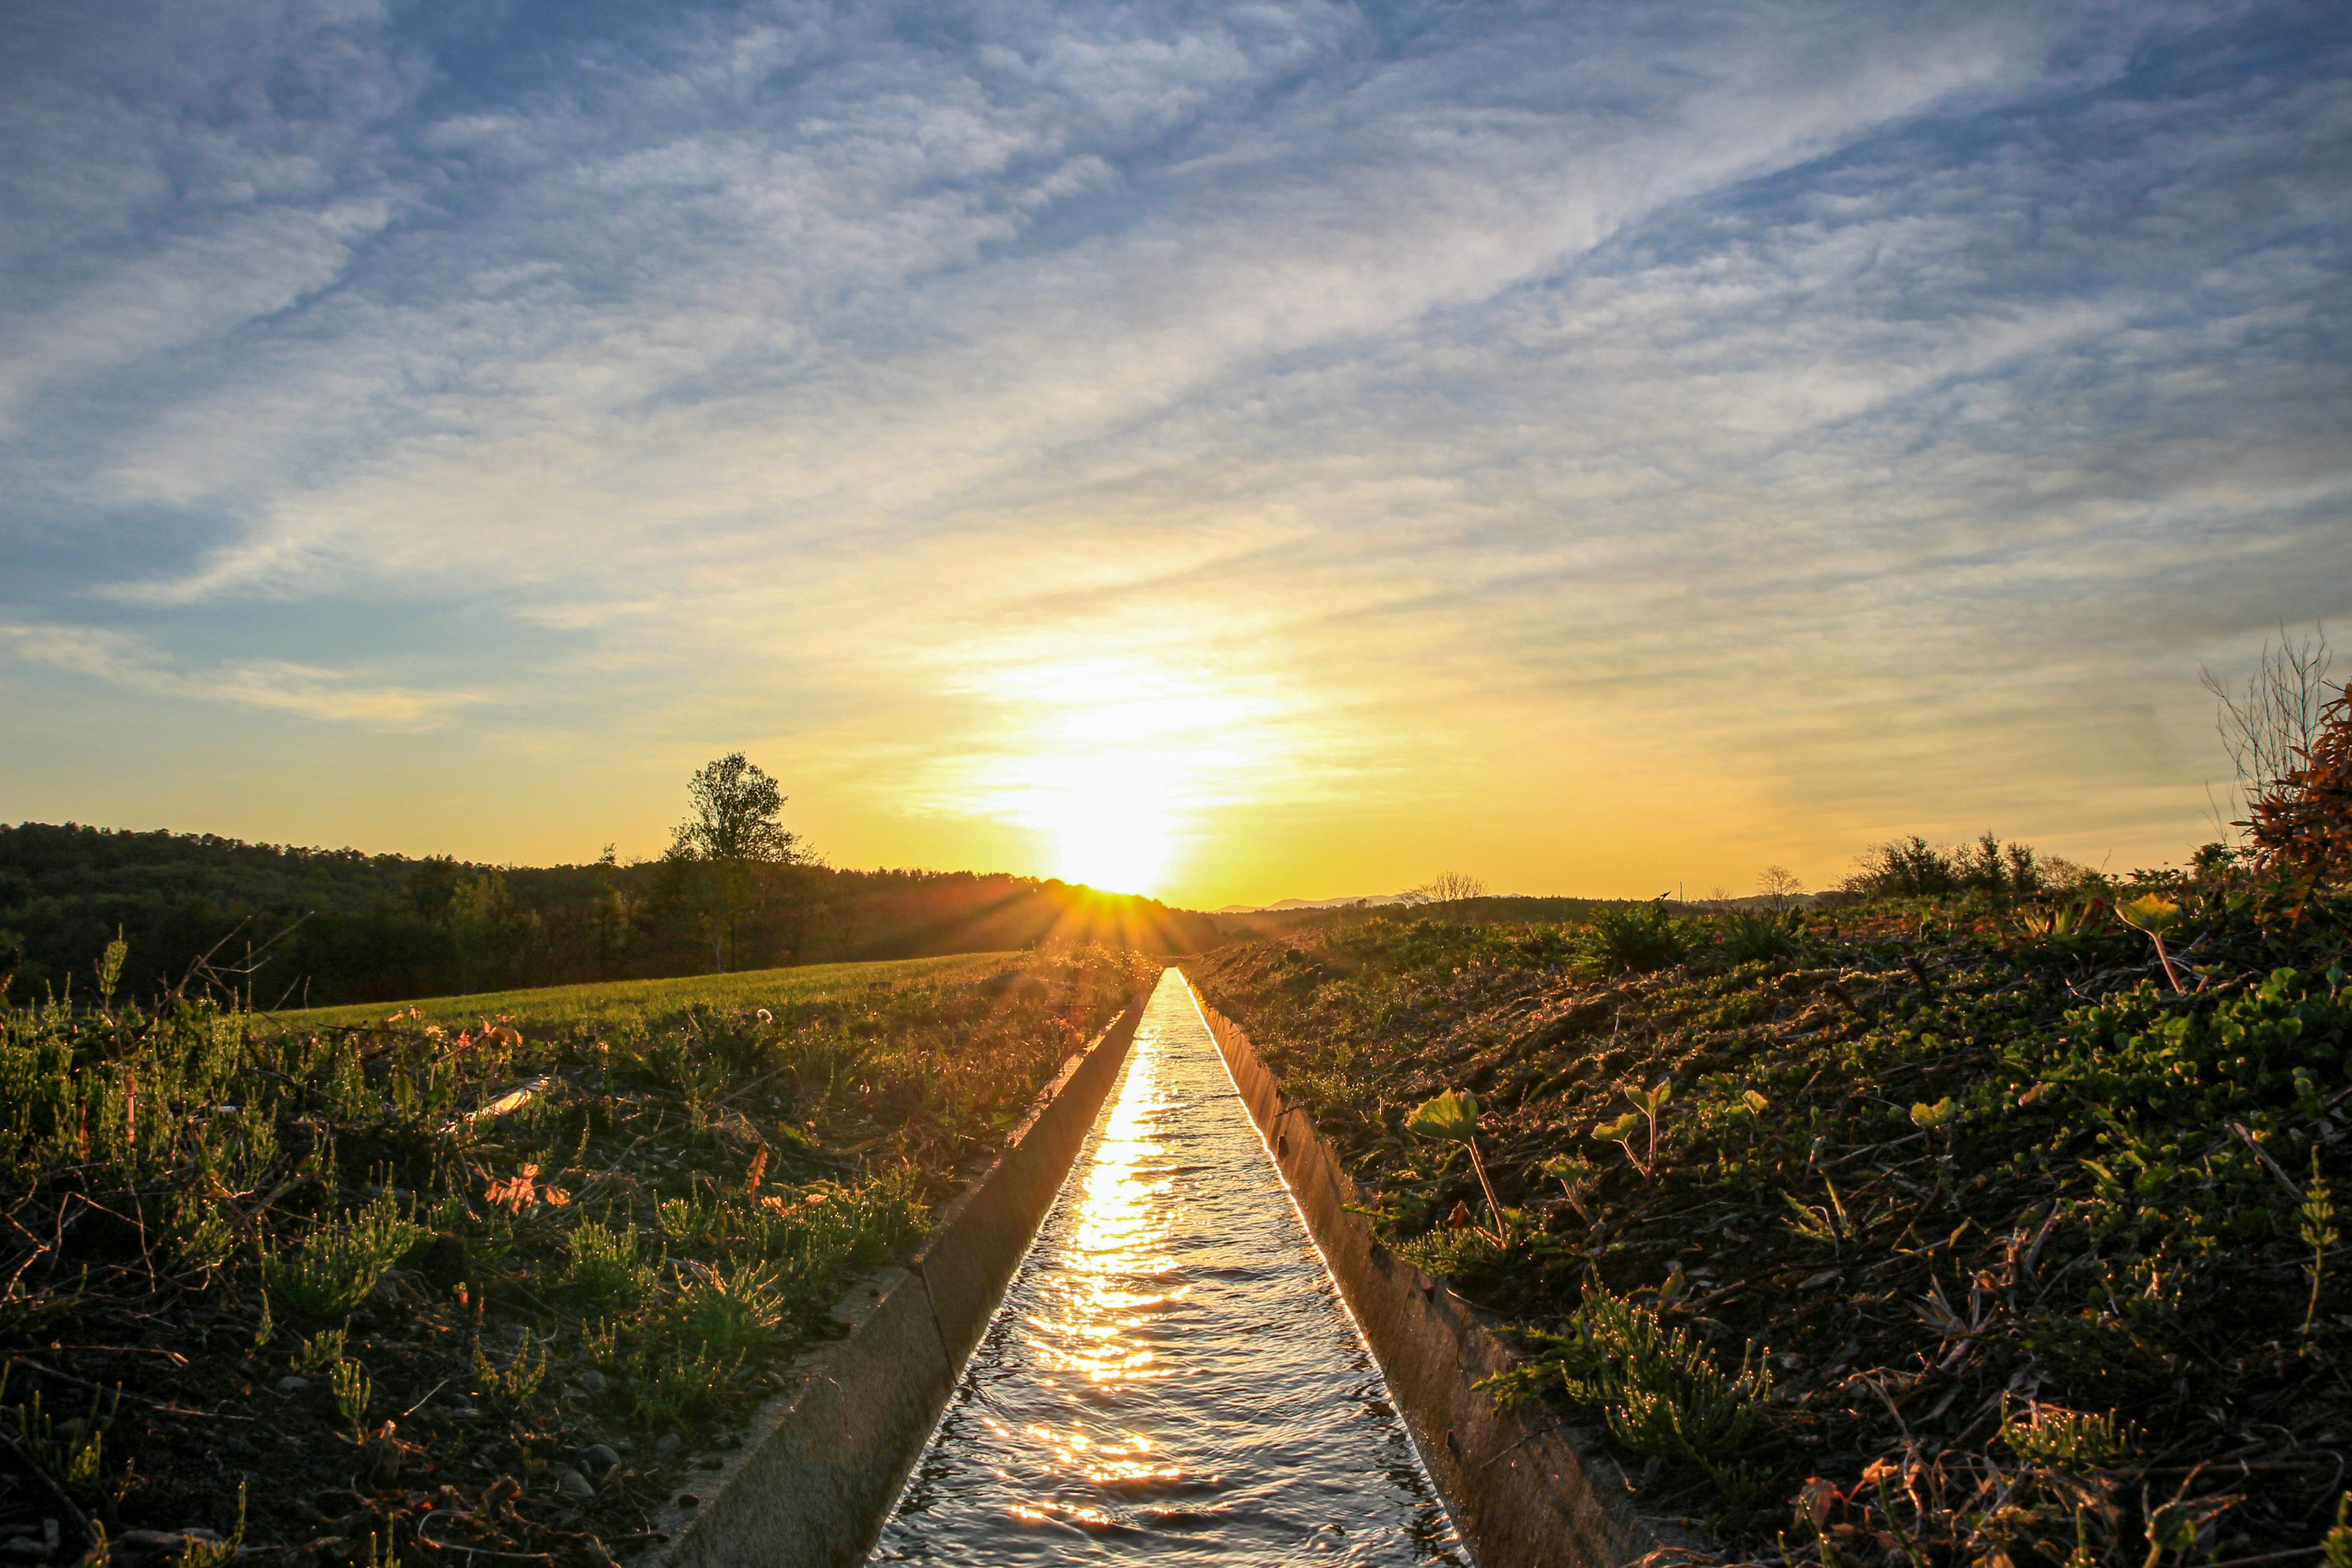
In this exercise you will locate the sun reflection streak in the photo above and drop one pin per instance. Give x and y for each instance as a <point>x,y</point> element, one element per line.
<point>1123,1228</point>
<point>1174,1376</point>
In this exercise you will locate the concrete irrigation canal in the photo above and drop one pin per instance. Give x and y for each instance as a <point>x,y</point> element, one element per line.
<point>1119,1343</point>
<point>1173,1374</point>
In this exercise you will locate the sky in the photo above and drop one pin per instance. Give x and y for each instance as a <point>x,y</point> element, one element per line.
<point>1227,451</point>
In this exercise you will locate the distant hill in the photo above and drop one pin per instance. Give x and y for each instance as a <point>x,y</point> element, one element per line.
<point>1376,900</point>
<point>330,926</point>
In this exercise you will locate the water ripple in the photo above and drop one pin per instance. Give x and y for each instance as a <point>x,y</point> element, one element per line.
<point>1172,1374</point>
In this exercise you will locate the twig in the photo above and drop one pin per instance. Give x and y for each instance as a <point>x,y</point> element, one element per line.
<point>2264,1156</point>
<point>118,1390</point>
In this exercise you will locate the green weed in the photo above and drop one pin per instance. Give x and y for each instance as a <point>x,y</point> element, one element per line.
<point>2062,1439</point>
<point>604,1268</point>
<point>341,1263</point>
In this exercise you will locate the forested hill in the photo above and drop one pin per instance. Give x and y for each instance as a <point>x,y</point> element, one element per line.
<point>335,925</point>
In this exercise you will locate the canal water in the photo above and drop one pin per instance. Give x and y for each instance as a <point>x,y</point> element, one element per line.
<point>1173,1376</point>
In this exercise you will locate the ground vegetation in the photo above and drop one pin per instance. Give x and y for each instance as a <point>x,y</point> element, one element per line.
<point>406,1291</point>
<point>1990,1221</point>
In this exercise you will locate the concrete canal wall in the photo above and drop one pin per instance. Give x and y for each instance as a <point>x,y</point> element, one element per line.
<point>811,1485</point>
<point>1524,1493</point>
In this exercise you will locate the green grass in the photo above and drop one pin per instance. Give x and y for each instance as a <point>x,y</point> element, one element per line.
<point>611,1002</point>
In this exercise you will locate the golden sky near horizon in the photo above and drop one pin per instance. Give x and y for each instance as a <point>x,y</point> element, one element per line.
<point>1231,453</point>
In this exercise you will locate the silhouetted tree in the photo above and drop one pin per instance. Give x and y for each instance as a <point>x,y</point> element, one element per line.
<point>734,828</point>
<point>1778,884</point>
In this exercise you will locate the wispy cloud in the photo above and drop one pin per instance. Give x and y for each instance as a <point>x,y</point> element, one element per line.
<point>132,664</point>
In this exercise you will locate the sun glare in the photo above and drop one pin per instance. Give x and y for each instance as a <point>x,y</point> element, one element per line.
<point>1119,846</point>
<point>1114,763</point>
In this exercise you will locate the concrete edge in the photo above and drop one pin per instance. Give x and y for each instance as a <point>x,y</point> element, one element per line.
<point>815,1479</point>
<point>1524,1492</point>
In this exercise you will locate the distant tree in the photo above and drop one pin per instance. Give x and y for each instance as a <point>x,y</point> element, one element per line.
<point>734,827</point>
<point>1451,887</point>
<point>1778,884</point>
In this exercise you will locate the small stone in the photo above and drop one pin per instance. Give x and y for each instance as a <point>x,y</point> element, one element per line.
<point>598,1460</point>
<point>24,1549</point>
<point>687,1500</point>
<point>572,1483</point>
<point>593,1381</point>
<point>669,1444</point>
<point>292,1383</point>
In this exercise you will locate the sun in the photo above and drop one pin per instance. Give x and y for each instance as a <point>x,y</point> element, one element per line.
<point>1119,845</point>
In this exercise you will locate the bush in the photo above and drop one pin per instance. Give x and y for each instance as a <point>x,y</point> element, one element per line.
<point>2303,823</point>
<point>1633,940</point>
<point>1758,936</point>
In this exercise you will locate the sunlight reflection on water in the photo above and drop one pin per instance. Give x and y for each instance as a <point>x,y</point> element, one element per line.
<point>1172,1374</point>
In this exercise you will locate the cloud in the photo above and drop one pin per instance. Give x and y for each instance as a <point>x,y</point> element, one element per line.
<point>1773,394</point>
<point>135,664</point>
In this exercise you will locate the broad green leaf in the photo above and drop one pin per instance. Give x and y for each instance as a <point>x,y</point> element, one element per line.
<point>1943,1113</point>
<point>1451,1116</point>
<point>2150,913</point>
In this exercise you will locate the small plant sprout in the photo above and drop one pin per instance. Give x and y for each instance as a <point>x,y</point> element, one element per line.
<point>354,1390</point>
<point>1453,1118</point>
<point>2154,916</point>
<point>2335,1547</point>
<point>2316,1222</point>
<point>1647,1103</point>
<point>109,970</point>
<point>1932,1118</point>
<point>323,1349</point>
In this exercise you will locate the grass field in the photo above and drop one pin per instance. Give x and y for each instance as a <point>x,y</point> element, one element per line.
<point>614,1002</point>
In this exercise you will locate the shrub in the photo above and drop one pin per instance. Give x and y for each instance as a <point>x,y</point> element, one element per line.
<point>1757,936</point>
<point>2302,823</point>
<point>1634,939</point>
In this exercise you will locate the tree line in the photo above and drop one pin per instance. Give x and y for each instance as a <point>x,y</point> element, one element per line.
<point>290,926</point>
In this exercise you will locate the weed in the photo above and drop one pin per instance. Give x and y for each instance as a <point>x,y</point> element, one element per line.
<point>2315,1223</point>
<point>343,1260</point>
<point>1662,1396</point>
<point>2062,1439</point>
<point>604,1268</point>
<point>354,1391</point>
<point>1758,936</point>
<point>1647,1103</point>
<point>513,1383</point>
<point>321,1350</point>
<point>1453,1118</point>
<point>680,1386</point>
